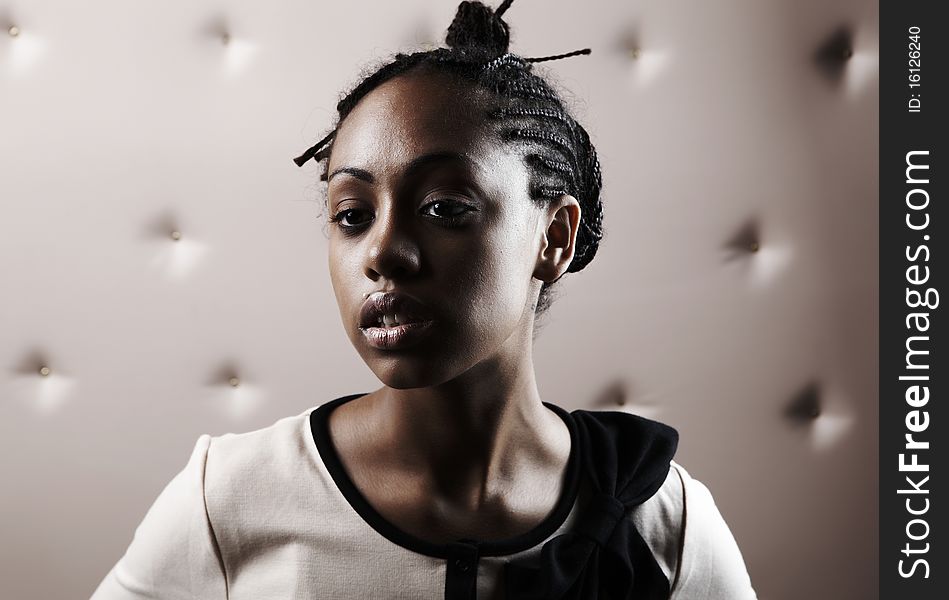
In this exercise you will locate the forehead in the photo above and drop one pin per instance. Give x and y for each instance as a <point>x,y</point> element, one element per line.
<point>413,114</point>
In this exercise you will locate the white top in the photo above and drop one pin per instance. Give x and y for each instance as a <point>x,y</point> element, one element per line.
<point>257,515</point>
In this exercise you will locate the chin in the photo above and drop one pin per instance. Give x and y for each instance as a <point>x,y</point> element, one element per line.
<point>403,373</point>
<point>404,381</point>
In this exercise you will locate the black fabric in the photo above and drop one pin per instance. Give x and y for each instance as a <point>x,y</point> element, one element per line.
<point>626,459</point>
<point>461,571</point>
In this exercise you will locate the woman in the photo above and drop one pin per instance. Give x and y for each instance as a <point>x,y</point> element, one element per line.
<point>459,190</point>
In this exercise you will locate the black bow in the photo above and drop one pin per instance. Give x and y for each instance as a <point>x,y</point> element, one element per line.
<point>603,557</point>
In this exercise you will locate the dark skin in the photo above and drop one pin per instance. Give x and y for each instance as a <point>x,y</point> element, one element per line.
<point>456,443</point>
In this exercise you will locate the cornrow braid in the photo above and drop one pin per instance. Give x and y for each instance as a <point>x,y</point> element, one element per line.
<point>543,113</point>
<point>529,90</point>
<point>505,60</point>
<point>559,142</point>
<point>523,107</point>
<point>548,192</point>
<point>551,164</point>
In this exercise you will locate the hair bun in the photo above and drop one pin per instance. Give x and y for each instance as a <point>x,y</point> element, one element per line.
<point>478,28</point>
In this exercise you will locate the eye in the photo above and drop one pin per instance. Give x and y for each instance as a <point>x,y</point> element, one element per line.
<point>345,218</point>
<point>447,209</point>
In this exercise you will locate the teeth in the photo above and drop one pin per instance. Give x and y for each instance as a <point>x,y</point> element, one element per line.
<point>390,321</point>
<point>393,320</point>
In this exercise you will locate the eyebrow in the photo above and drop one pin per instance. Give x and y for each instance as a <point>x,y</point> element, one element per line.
<point>413,167</point>
<point>355,172</point>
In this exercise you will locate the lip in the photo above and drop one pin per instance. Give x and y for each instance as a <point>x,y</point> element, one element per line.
<point>398,337</point>
<point>403,335</point>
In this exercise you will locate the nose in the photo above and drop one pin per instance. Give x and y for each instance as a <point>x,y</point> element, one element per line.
<point>393,250</point>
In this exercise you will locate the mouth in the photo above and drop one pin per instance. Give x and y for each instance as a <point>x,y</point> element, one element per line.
<point>391,320</point>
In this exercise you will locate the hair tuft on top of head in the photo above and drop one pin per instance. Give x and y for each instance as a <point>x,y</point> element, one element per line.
<point>479,30</point>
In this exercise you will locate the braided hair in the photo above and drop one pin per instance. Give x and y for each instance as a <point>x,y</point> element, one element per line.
<point>557,150</point>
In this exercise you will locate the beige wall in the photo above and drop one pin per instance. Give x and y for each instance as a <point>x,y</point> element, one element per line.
<point>737,122</point>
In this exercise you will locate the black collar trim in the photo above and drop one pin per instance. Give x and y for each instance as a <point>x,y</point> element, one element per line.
<point>319,424</point>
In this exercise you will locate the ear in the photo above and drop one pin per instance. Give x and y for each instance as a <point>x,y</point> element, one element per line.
<point>560,221</point>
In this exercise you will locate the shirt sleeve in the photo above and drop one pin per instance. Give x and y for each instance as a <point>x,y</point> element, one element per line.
<point>173,554</point>
<point>711,565</point>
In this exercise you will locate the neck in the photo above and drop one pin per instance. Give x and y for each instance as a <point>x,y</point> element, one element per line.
<point>469,437</point>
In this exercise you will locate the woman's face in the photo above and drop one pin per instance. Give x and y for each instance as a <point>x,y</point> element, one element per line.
<point>425,203</point>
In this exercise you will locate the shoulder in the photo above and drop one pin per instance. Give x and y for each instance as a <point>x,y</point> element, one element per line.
<point>623,430</point>
<point>660,521</point>
<point>630,457</point>
<point>627,455</point>
<point>282,442</point>
<point>173,552</point>
<point>673,512</point>
<point>181,546</point>
<point>691,540</point>
<point>239,464</point>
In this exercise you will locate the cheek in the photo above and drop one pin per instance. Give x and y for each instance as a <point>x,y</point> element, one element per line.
<point>497,285</point>
<point>341,272</point>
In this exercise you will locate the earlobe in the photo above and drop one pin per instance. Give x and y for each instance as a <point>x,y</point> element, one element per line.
<point>558,240</point>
